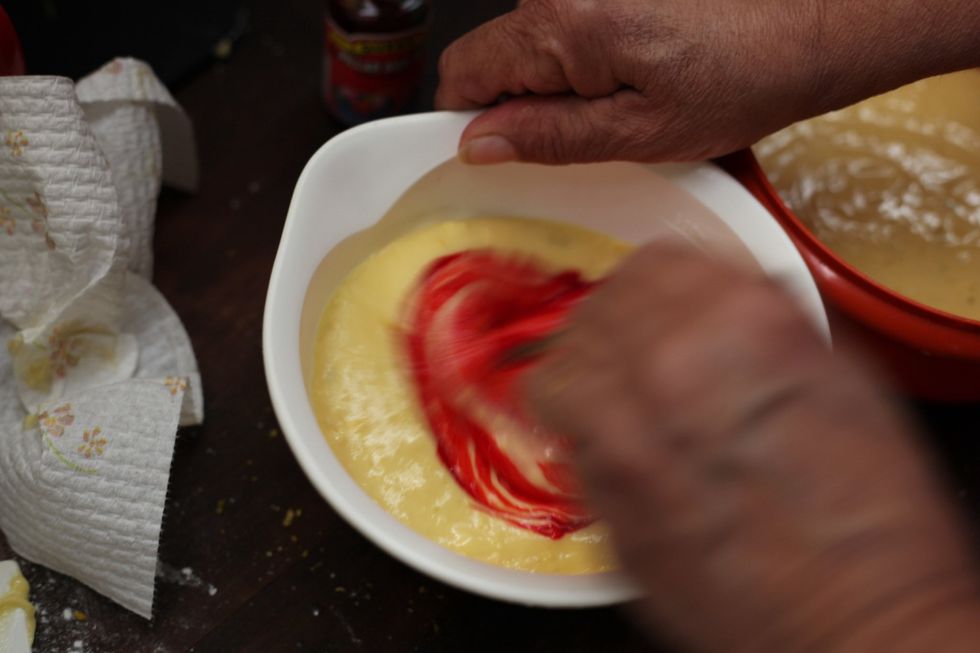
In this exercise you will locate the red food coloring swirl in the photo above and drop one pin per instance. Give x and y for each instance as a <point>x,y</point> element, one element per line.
<point>470,312</point>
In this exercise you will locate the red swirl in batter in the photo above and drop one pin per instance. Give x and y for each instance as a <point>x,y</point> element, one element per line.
<point>470,312</point>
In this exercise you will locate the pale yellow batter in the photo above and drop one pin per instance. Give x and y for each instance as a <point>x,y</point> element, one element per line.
<point>368,411</point>
<point>13,597</point>
<point>893,186</point>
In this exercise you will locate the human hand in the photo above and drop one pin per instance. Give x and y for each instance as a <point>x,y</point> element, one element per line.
<point>655,80</point>
<point>761,491</point>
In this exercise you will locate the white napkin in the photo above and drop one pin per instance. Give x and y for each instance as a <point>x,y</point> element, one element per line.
<point>97,371</point>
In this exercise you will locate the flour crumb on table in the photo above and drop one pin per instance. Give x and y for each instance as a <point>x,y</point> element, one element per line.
<point>184,577</point>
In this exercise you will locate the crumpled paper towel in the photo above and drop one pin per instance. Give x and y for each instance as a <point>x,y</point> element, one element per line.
<point>97,370</point>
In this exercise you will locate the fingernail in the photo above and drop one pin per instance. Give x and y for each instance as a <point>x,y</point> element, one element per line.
<point>484,150</point>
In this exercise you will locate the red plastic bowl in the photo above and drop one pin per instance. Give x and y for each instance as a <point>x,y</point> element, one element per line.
<point>931,354</point>
<point>11,57</point>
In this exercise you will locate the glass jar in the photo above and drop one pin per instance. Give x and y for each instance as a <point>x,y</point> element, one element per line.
<point>375,55</point>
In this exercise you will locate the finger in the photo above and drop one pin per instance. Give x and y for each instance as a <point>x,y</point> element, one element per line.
<point>734,363</point>
<point>591,405</point>
<point>660,287</point>
<point>584,390</point>
<point>563,129</point>
<point>535,49</point>
<point>714,350</point>
<point>499,57</point>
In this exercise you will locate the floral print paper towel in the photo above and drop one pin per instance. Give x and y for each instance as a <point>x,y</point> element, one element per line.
<point>96,370</point>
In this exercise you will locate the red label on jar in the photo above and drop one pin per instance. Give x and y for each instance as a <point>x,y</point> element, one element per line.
<point>370,76</point>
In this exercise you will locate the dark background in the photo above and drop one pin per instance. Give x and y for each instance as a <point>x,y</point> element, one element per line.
<point>255,584</point>
<point>74,37</point>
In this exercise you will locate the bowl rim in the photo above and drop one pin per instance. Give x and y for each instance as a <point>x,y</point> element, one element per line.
<point>892,311</point>
<point>439,132</point>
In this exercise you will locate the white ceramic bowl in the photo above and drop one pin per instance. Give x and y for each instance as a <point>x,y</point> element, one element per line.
<point>399,170</point>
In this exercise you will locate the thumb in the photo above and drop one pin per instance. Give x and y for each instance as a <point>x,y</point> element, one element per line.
<point>560,129</point>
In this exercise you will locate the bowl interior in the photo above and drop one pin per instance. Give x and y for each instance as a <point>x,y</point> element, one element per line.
<point>374,183</point>
<point>855,294</point>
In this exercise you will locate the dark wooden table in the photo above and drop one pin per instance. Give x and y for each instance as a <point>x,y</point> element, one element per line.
<point>237,578</point>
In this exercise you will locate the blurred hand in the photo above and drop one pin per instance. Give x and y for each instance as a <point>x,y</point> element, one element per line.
<point>653,80</point>
<point>761,491</point>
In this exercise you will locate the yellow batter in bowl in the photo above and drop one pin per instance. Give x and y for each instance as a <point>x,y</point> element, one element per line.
<point>892,185</point>
<point>367,408</point>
